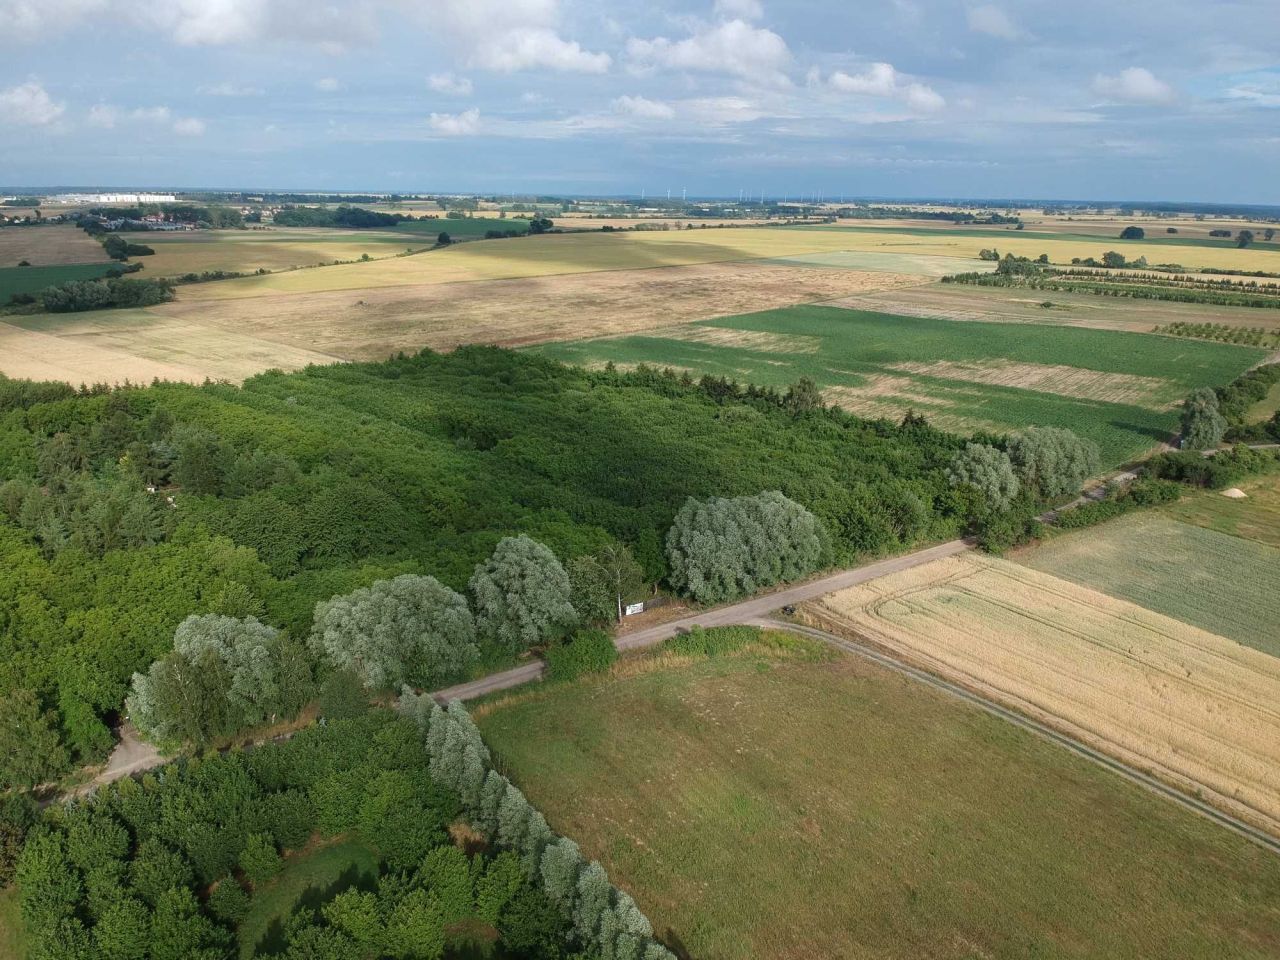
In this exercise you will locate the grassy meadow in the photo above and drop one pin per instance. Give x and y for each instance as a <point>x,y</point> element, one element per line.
<point>12,939</point>
<point>1119,389</point>
<point>787,803</point>
<point>1257,517</point>
<point>1197,574</point>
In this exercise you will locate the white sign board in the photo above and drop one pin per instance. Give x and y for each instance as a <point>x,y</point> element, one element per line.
<point>633,608</point>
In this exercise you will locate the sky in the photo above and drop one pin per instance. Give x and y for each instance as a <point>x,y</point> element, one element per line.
<point>1138,100</point>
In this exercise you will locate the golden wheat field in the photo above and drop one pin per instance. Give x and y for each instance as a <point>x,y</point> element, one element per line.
<point>1193,707</point>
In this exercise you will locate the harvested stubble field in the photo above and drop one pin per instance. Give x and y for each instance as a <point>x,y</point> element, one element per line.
<point>112,346</point>
<point>373,324</point>
<point>780,804</point>
<point>552,254</point>
<point>276,248</point>
<point>1195,708</point>
<point>49,245</point>
<point>1119,389</point>
<point>1210,579</point>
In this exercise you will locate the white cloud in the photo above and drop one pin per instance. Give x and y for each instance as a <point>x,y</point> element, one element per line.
<point>227,89</point>
<point>527,48</point>
<point>740,9</point>
<point>1255,94</point>
<point>103,115</point>
<point>510,35</point>
<point>1133,85</point>
<point>994,22</point>
<point>882,80</point>
<point>32,19</point>
<point>151,114</point>
<point>331,26</point>
<point>328,84</point>
<point>189,127</point>
<point>448,83</point>
<point>734,47</point>
<point>644,107</point>
<point>456,124</point>
<point>721,110</point>
<point>29,104</point>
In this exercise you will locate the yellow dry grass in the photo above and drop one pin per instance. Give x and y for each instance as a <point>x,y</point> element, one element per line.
<point>49,245</point>
<point>1052,378</point>
<point>762,340</point>
<point>882,396</point>
<point>1197,709</point>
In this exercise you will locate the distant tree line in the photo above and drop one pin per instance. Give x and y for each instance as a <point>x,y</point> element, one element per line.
<point>342,216</point>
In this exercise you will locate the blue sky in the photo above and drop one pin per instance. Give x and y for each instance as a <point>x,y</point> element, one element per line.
<point>1037,98</point>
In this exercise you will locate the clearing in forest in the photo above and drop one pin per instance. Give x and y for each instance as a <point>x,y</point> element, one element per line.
<point>784,803</point>
<point>1198,709</point>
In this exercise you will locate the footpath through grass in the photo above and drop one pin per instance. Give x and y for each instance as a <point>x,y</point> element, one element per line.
<point>793,806</point>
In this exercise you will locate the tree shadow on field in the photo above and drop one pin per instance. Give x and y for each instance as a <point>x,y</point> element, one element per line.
<point>671,940</point>
<point>1158,434</point>
<point>274,942</point>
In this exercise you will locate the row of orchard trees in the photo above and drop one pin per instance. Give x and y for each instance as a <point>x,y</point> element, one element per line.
<point>458,760</point>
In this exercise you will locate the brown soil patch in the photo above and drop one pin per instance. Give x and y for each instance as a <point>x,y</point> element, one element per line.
<point>373,323</point>
<point>1193,707</point>
<point>46,246</point>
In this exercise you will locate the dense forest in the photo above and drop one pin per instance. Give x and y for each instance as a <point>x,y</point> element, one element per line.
<point>123,512</point>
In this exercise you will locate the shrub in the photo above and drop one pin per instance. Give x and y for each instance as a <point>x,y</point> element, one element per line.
<point>522,594</point>
<point>715,642</point>
<point>587,651</point>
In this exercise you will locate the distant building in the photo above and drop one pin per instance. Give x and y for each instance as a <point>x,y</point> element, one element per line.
<point>116,198</point>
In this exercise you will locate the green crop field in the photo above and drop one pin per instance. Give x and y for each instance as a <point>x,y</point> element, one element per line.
<point>464,227</point>
<point>1209,579</point>
<point>34,279</point>
<point>311,879</point>
<point>762,804</point>
<point>1119,389</point>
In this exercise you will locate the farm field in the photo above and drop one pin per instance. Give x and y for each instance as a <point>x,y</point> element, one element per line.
<point>463,227</point>
<point>584,252</point>
<point>12,939</point>
<point>1119,389</point>
<point>793,805</point>
<point>34,279</point>
<point>111,346</point>
<point>956,301</point>
<point>278,248</point>
<point>1194,707</point>
<point>372,324</point>
<point>50,245</point>
<point>1255,518</point>
<point>1195,574</point>
<point>231,339</point>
